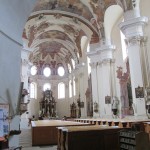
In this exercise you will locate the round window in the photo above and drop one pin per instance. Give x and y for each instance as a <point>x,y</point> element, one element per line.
<point>33,70</point>
<point>61,71</point>
<point>47,71</point>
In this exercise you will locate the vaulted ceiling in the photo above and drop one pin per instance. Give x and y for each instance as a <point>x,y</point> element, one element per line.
<point>55,28</point>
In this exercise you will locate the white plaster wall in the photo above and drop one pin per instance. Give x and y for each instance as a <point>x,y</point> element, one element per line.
<point>62,105</point>
<point>13,16</point>
<point>10,79</point>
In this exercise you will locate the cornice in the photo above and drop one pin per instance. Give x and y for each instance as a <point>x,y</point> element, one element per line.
<point>91,54</point>
<point>133,22</point>
<point>103,48</point>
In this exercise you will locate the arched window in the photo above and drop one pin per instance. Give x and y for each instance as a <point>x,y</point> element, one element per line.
<point>88,60</point>
<point>61,71</point>
<point>46,86</point>
<point>33,90</point>
<point>74,87</point>
<point>69,68</point>
<point>70,88</point>
<point>33,70</point>
<point>47,71</point>
<point>61,90</point>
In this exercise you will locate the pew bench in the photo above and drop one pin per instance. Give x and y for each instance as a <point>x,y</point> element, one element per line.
<point>95,137</point>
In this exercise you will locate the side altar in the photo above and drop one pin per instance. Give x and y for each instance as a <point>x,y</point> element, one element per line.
<point>48,105</point>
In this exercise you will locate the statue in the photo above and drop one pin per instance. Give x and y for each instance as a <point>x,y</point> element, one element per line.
<point>115,103</point>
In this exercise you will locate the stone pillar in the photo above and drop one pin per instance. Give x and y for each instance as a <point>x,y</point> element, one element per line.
<point>132,27</point>
<point>106,79</point>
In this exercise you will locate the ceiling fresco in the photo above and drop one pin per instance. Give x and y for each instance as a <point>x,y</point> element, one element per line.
<point>54,30</point>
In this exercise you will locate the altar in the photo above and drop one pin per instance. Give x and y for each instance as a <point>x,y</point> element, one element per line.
<point>48,105</point>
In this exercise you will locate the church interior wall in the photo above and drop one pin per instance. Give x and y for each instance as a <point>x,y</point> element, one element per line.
<point>10,68</point>
<point>10,79</point>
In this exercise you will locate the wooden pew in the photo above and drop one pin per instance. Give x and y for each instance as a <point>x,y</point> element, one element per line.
<point>44,132</point>
<point>88,138</point>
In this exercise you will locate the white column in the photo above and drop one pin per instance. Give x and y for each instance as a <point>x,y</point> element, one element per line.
<point>106,83</point>
<point>94,88</point>
<point>102,110</point>
<point>132,27</point>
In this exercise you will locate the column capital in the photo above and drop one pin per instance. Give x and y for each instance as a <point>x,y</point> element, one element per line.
<point>134,40</point>
<point>133,27</point>
<point>105,52</point>
<point>108,60</point>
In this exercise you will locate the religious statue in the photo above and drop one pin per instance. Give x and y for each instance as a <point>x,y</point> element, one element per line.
<point>115,103</point>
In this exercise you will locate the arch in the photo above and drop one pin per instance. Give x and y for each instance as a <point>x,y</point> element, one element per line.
<point>112,14</point>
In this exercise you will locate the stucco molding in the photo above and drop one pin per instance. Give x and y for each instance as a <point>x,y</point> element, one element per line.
<point>133,27</point>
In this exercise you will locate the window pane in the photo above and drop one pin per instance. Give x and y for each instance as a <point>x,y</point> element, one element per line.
<point>46,86</point>
<point>33,70</point>
<point>73,63</point>
<point>74,86</point>
<point>61,71</point>
<point>47,72</point>
<point>61,90</point>
<point>32,90</point>
<point>70,89</point>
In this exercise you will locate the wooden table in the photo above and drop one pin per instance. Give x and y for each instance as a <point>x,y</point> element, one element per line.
<point>44,132</point>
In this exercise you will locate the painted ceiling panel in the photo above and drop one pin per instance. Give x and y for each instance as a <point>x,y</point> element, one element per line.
<point>55,27</point>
